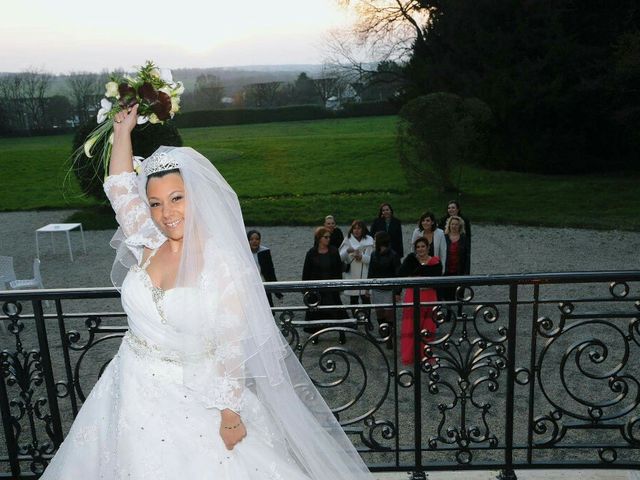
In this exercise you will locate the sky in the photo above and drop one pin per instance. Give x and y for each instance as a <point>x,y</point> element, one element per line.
<point>61,36</point>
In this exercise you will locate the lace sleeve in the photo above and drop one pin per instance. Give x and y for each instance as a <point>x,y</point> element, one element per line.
<point>229,330</point>
<point>132,213</point>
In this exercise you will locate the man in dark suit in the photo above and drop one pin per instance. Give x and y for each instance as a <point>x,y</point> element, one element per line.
<point>262,256</point>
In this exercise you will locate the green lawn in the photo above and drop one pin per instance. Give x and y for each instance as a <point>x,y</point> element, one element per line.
<point>297,172</point>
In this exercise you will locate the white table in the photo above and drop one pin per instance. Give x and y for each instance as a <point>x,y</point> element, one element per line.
<point>60,228</point>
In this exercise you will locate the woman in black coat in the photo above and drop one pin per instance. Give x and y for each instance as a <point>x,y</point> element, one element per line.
<point>384,263</point>
<point>322,262</point>
<point>262,256</point>
<point>386,222</point>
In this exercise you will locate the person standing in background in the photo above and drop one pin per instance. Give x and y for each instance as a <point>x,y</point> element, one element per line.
<point>262,257</point>
<point>457,253</point>
<point>387,222</point>
<point>336,234</point>
<point>453,209</point>
<point>322,262</point>
<point>355,251</point>
<point>428,229</point>
<point>419,263</point>
<point>384,264</point>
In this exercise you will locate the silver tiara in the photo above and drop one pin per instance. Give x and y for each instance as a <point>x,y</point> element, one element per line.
<point>159,162</point>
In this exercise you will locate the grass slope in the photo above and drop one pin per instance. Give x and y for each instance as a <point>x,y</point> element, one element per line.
<point>297,172</point>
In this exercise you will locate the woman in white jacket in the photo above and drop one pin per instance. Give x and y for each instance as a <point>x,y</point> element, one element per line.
<point>428,229</point>
<point>355,253</point>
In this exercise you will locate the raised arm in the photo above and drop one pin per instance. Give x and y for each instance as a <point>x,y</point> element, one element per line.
<point>122,152</point>
<point>121,187</point>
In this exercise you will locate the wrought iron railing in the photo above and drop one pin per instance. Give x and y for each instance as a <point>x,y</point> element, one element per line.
<point>522,371</point>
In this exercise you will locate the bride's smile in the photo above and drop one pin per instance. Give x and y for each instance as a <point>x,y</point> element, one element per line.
<point>167,204</point>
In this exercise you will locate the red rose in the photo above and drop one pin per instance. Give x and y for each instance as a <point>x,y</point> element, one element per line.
<point>127,95</point>
<point>148,93</point>
<point>162,107</point>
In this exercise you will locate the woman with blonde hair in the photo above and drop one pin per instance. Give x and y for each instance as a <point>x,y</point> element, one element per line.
<point>458,258</point>
<point>336,234</point>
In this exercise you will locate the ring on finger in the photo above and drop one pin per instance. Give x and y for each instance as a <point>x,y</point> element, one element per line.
<point>118,121</point>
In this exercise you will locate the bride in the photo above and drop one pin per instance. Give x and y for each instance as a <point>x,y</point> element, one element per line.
<point>203,385</point>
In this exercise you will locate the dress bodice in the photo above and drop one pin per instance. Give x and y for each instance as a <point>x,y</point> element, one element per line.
<point>155,315</point>
<point>146,309</point>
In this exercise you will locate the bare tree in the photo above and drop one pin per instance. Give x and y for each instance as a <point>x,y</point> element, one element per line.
<point>390,25</point>
<point>263,94</point>
<point>331,82</point>
<point>327,87</point>
<point>385,30</point>
<point>35,85</point>
<point>11,99</point>
<point>85,89</point>
<point>208,91</point>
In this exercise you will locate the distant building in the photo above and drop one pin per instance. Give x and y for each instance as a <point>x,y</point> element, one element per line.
<point>348,95</point>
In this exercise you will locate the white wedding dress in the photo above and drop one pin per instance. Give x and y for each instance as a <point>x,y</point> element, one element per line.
<point>206,345</point>
<point>140,422</point>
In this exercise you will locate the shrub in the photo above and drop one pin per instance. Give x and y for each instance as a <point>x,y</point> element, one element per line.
<point>437,133</point>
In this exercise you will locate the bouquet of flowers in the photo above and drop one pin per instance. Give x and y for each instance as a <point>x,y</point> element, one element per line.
<point>158,99</point>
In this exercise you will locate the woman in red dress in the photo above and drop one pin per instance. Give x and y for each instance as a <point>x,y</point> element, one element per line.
<point>418,264</point>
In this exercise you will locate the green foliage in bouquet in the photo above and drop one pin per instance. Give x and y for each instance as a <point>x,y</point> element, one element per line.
<point>145,138</point>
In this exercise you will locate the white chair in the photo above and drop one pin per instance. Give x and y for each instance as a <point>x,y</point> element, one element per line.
<point>35,282</point>
<point>7,273</point>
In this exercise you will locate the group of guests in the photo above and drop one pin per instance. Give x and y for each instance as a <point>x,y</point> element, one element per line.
<point>437,248</point>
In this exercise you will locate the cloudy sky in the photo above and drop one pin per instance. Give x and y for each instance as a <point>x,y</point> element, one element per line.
<point>72,35</point>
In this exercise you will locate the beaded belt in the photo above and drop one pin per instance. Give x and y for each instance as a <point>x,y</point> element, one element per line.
<point>144,349</point>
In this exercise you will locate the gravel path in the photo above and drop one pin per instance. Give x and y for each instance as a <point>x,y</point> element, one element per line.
<point>495,249</point>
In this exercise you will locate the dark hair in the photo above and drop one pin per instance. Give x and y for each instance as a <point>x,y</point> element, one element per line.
<point>434,223</point>
<point>456,203</point>
<point>382,206</point>
<point>383,239</point>
<point>162,174</point>
<point>420,240</point>
<point>251,233</point>
<point>362,225</point>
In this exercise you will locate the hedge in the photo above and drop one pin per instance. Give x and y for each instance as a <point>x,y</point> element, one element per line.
<point>239,116</point>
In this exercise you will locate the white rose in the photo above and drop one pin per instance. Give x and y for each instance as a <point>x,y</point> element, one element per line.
<point>142,120</point>
<point>179,90</point>
<point>166,90</point>
<point>175,105</point>
<point>112,90</point>
<point>155,73</point>
<point>165,74</point>
<point>153,118</point>
<point>105,108</point>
